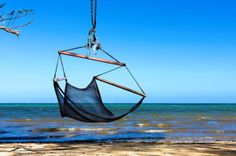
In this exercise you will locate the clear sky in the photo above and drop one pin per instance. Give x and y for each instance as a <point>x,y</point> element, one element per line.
<point>180,51</point>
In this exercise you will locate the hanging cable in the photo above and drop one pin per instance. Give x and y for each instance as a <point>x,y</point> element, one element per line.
<point>73,48</point>
<point>93,44</point>
<point>55,74</point>
<point>93,11</point>
<point>109,55</point>
<point>109,71</point>
<point>63,69</point>
<point>134,79</point>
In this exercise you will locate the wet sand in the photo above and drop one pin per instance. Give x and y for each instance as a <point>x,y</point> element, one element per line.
<point>120,149</point>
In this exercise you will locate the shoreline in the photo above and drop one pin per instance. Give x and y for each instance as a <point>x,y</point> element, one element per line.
<point>119,148</point>
<point>124,142</point>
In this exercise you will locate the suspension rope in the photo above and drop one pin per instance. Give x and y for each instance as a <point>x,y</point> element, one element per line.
<point>93,11</point>
<point>109,71</point>
<point>63,69</point>
<point>73,48</point>
<point>55,74</point>
<point>62,65</point>
<point>93,43</point>
<point>134,79</point>
<point>109,55</point>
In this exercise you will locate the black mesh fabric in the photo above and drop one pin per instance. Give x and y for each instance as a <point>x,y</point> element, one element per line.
<point>85,104</point>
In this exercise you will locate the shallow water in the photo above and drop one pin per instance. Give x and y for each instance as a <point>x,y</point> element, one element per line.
<point>150,123</point>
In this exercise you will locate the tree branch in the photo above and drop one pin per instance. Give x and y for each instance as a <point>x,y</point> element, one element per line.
<point>16,16</point>
<point>9,30</point>
<point>23,25</point>
<point>9,21</point>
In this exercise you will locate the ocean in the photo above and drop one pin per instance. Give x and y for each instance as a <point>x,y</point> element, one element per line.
<point>149,123</point>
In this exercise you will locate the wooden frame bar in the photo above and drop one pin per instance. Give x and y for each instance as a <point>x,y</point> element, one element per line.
<point>119,86</point>
<point>91,58</point>
<point>60,79</point>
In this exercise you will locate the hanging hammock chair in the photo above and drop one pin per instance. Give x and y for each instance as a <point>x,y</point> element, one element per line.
<point>85,104</point>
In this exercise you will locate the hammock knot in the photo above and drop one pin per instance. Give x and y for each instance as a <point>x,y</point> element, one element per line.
<point>93,43</point>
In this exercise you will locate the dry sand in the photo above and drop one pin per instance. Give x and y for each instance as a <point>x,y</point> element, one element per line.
<point>120,149</point>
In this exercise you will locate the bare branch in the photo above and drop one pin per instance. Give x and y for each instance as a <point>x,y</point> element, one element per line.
<point>13,15</point>
<point>15,19</point>
<point>2,5</point>
<point>23,25</point>
<point>9,30</point>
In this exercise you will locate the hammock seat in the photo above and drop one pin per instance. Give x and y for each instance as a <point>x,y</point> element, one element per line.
<point>85,104</point>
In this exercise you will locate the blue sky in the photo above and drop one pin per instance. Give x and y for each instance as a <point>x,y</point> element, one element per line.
<point>180,51</point>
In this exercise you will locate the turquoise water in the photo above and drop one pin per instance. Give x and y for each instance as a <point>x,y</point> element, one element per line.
<point>150,123</point>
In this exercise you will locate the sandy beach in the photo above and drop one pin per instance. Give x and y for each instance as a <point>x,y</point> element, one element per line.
<point>120,149</point>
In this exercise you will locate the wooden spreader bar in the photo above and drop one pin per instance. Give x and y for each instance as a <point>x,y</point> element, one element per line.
<point>60,79</point>
<point>91,58</point>
<point>119,86</point>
